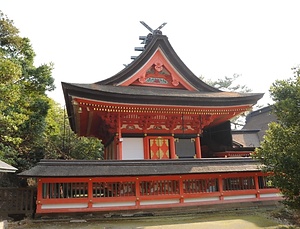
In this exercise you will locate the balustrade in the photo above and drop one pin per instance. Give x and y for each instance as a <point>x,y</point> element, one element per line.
<point>113,193</point>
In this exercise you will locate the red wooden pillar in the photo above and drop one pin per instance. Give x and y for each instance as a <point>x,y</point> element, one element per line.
<point>172,148</point>
<point>116,147</point>
<point>198,147</point>
<point>119,139</point>
<point>146,148</point>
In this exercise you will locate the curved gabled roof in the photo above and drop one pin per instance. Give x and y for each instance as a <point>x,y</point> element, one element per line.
<point>159,96</point>
<point>156,78</point>
<point>128,85</point>
<point>159,42</point>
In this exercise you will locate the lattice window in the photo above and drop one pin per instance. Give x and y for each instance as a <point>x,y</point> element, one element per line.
<point>265,182</point>
<point>238,183</point>
<point>65,190</point>
<point>200,185</point>
<point>159,187</point>
<point>113,189</point>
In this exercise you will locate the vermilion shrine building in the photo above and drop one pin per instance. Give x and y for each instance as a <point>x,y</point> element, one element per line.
<point>167,141</point>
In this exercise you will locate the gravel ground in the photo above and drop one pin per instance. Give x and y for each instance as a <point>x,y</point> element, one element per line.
<point>235,219</point>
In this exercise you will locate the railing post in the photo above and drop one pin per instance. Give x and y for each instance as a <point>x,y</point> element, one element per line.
<point>39,195</point>
<point>256,186</point>
<point>90,193</point>
<point>137,193</point>
<point>220,184</point>
<point>181,200</point>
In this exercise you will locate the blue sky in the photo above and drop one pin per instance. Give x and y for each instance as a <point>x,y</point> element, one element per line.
<point>90,40</point>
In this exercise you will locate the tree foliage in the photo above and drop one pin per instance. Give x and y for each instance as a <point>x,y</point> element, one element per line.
<point>280,149</point>
<point>62,143</point>
<point>32,126</point>
<point>229,84</point>
<point>23,100</point>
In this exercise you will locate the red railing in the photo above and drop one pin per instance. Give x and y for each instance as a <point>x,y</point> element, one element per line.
<point>119,193</point>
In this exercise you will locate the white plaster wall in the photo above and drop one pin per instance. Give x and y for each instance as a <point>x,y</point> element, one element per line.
<point>133,149</point>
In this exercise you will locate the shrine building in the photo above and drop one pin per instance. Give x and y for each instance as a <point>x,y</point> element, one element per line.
<point>167,142</point>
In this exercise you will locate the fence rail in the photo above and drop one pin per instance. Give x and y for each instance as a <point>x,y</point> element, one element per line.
<point>124,193</point>
<point>17,201</point>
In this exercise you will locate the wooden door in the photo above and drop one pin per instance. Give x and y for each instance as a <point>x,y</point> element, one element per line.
<point>159,148</point>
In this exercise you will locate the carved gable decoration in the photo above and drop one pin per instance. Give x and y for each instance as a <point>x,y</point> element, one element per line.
<point>158,72</point>
<point>157,75</point>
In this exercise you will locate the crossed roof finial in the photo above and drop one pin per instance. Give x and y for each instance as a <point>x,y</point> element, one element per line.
<point>147,39</point>
<point>155,31</point>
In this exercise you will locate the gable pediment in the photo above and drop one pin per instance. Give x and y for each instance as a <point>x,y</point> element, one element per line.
<point>158,66</point>
<point>158,72</point>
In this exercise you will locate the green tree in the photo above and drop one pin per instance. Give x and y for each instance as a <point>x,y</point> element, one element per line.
<point>62,143</point>
<point>229,84</point>
<point>23,100</point>
<point>280,149</point>
<point>32,126</point>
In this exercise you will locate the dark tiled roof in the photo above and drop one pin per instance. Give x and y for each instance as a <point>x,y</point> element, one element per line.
<point>84,168</point>
<point>204,94</point>
<point>260,119</point>
<point>152,95</point>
